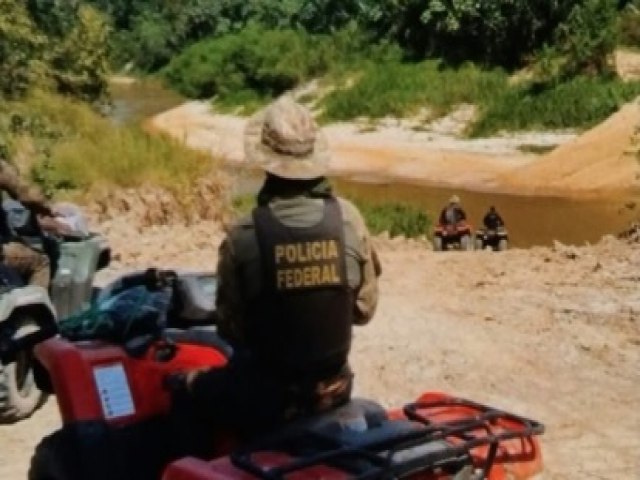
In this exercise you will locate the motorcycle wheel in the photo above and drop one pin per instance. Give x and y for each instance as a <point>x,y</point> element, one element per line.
<point>19,395</point>
<point>54,459</point>
<point>466,243</point>
<point>503,245</point>
<point>437,244</point>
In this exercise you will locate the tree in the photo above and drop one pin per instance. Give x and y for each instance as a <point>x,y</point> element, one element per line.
<point>588,38</point>
<point>79,61</point>
<point>501,32</point>
<point>21,48</point>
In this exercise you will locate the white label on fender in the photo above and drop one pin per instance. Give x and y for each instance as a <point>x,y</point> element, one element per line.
<point>114,392</point>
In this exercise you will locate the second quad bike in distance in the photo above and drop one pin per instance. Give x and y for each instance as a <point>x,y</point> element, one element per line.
<point>25,308</point>
<point>456,236</point>
<point>496,239</point>
<point>116,425</point>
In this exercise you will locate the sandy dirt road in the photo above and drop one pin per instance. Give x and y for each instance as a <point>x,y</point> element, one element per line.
<point>552,333</point>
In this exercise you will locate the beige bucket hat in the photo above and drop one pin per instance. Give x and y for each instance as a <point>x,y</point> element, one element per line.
<point>285,140</point>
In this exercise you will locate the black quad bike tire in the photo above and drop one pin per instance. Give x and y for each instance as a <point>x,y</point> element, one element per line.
<point>466,243</point>
<point>438,244</point>
<point>19,395</point>
<point>54,459</point>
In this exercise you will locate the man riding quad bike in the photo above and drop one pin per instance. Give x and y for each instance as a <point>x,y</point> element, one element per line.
<point>71,260</point>
<point>116,407</point>
<point>452,230</point>
<point>144,401</point>
<point>494,235</point>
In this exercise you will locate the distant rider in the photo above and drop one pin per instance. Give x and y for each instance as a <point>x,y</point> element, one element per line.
<point>492,220</point>
<point>453,213</point>
<point>293,279</point>
<point>32,264</point>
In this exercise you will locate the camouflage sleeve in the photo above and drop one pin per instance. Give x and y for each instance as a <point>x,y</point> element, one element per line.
<point>229,308</point>
<point>367,295</point>
<point>367,300</point>
<point>11,183</point>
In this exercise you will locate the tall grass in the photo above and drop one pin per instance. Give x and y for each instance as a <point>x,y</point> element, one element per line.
<point>86,151</point>
<point>578,103</point>
<point>400,89</point>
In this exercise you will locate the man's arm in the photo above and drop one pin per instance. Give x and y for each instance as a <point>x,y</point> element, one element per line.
<point>367,299</point>
<point>31,197</point>
<point>370,268</point>
<point>229,308</point>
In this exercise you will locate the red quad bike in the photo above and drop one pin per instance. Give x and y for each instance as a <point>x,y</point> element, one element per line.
<point>114,411</point>
<point>497,239</point>
<point>452,236</point>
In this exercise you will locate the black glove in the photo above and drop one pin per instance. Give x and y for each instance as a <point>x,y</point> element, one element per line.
<point>175,382</point>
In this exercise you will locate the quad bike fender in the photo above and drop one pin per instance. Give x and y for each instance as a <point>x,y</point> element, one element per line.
<point>31,298</point>
<point>31,302</point>
<point>515,458</point>
<point>94,381</point>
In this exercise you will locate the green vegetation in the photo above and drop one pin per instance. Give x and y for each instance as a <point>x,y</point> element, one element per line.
<point>249,66</point>
<point>149,33</point>
<point>579,102</point>
<point>397,219</point>
<point>71,149</point>
<point>53,66</point>
<point>571,83</point>
<point>629,25</point>
<point>399,89</point>
<point>54,45</point>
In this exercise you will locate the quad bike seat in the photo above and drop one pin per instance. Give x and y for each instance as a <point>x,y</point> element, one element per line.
<point>360,425</point>
<point>205,336</point>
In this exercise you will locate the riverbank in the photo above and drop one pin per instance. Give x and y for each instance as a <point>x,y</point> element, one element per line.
<point>601,162</point>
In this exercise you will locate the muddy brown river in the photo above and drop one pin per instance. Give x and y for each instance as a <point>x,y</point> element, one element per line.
<point>531,220</point>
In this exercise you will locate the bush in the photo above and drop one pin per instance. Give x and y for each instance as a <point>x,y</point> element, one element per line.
<point>395,218</point>
<point>73,149</point>
<point>398,89</point>
<point>253,64</point>
<point>588,38</point>
<point>580,102</point>
<point>629,25</point>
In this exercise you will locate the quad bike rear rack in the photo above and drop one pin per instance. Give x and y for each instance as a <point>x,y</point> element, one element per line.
<point>456,440</point>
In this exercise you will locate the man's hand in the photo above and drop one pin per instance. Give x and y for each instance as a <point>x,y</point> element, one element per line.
<point>175,382</point>
<point>39,208</point>
<point>51,225</point>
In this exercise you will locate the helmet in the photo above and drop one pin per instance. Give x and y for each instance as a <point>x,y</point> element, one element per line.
<point>454,199</point>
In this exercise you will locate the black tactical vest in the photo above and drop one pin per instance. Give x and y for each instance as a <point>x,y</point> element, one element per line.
<point>301,323</point>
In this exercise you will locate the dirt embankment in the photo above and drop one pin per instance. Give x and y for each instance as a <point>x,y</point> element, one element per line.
<point>553,333</point>
<point>598,162</point>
